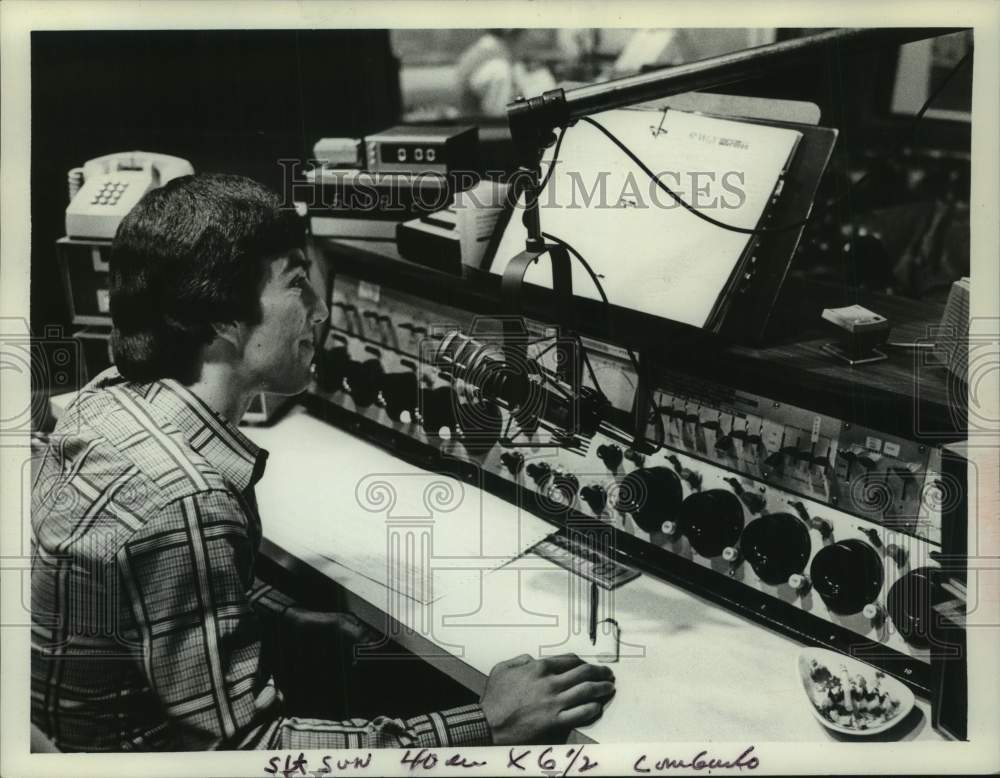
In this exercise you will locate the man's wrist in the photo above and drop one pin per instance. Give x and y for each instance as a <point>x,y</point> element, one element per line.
<point>462,726</point>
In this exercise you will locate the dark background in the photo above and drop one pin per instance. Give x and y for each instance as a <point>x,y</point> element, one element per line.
<point>226,100</point>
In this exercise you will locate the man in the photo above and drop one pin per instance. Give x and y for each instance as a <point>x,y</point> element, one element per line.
<point>145,525</point>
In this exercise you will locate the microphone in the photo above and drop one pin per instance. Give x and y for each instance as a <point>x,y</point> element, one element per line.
<point>527,390</point>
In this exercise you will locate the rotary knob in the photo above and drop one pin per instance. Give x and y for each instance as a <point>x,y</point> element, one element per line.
<point>513,461</point>
<point>365,381</point>
<point>437,408</point>
<point>539,472</point>
<point>611,455</point>
<point>564,485</point>
<point>712,521</point>
<point>595,496</point>
<point>911,605</point>
<point>847,575</point>
<point>777,546</point>
<point>400,392</point>
<point>650,495</point>
<point>331,368</point>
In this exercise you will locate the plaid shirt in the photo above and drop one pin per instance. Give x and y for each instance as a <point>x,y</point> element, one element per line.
<point>145,529</point>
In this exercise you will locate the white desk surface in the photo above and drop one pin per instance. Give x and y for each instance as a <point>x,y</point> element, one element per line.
<point>688,670</point>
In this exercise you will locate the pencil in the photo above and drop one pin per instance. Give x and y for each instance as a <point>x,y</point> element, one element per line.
<point>593,613</point>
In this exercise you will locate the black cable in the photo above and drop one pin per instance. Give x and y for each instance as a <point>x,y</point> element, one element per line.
<point>552,165</point>
<point>678,199</point>
<point>661,432</point>
<point>912,129</point>
<point>759,230</point>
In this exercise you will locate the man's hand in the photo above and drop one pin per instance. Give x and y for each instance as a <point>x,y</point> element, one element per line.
<point>540,700</point>
<point>323,623</point>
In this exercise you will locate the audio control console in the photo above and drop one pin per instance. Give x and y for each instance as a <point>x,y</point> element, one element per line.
<point>818,527</point>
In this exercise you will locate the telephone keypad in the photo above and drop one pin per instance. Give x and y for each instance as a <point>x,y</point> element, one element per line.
<point>110,193</point>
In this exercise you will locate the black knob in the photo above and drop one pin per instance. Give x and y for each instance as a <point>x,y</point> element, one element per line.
<point>848,575</point>
<point>911,604</point>
<point>365,381</point>
<point>566,484</point>
<point>437,409</point>
<point>400,392</point>
<point>712,520</point>
<point>872,535</point>
<point>513,461</point>
<point>539,472</point>
<point>595,496</point>
<point>725,444</point>
<point>331,368</point>
<point>610,455</point>
<point>652,496</point>
<point>822,526</point>
<point>776,545</point>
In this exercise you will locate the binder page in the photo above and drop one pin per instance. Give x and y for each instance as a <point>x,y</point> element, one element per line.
<point>650,253</point>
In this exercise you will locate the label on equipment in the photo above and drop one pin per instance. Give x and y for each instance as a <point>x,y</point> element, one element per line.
<point>814,438</point>
<point>369,292</point>
<point>103,301</point>
<point>891,449</point>
<point>873,444</point>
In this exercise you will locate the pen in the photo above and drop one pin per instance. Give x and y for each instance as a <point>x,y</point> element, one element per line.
<point>593,613</point>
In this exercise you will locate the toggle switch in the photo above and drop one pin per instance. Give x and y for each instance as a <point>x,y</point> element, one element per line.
<point>799,583</point>
<point>873,536</point>
<point>822,526</point>
<point>897,554</point>
<point>874,613</point>
<point>635,457</point>
<point>693,478</point>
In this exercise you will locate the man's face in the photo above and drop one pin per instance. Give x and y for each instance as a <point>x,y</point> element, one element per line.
<point>279,349</point>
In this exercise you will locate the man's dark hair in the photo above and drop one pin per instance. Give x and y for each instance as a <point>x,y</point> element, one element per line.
<point>189,254</point>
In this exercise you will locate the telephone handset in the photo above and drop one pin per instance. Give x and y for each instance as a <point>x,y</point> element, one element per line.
<point>106,188</point>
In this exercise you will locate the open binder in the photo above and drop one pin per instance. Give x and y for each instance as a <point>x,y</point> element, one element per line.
<point>661,265</point>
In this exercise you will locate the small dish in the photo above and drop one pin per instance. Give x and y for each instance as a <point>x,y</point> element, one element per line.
<point>877,704</point>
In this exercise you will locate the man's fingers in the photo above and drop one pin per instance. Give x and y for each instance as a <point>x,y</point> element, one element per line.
<point>580,715</point>
<point>581,673</point>
<point>561,663</point>
<point>589,691</point>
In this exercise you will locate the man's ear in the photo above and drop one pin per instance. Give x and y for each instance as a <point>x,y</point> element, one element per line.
<point>232,332</point>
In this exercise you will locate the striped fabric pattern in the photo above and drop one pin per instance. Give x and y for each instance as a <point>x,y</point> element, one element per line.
<point>144,629</point>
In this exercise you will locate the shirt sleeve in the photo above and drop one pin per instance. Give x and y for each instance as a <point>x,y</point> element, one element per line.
<point>266,598</point>
<point>188,574</point>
